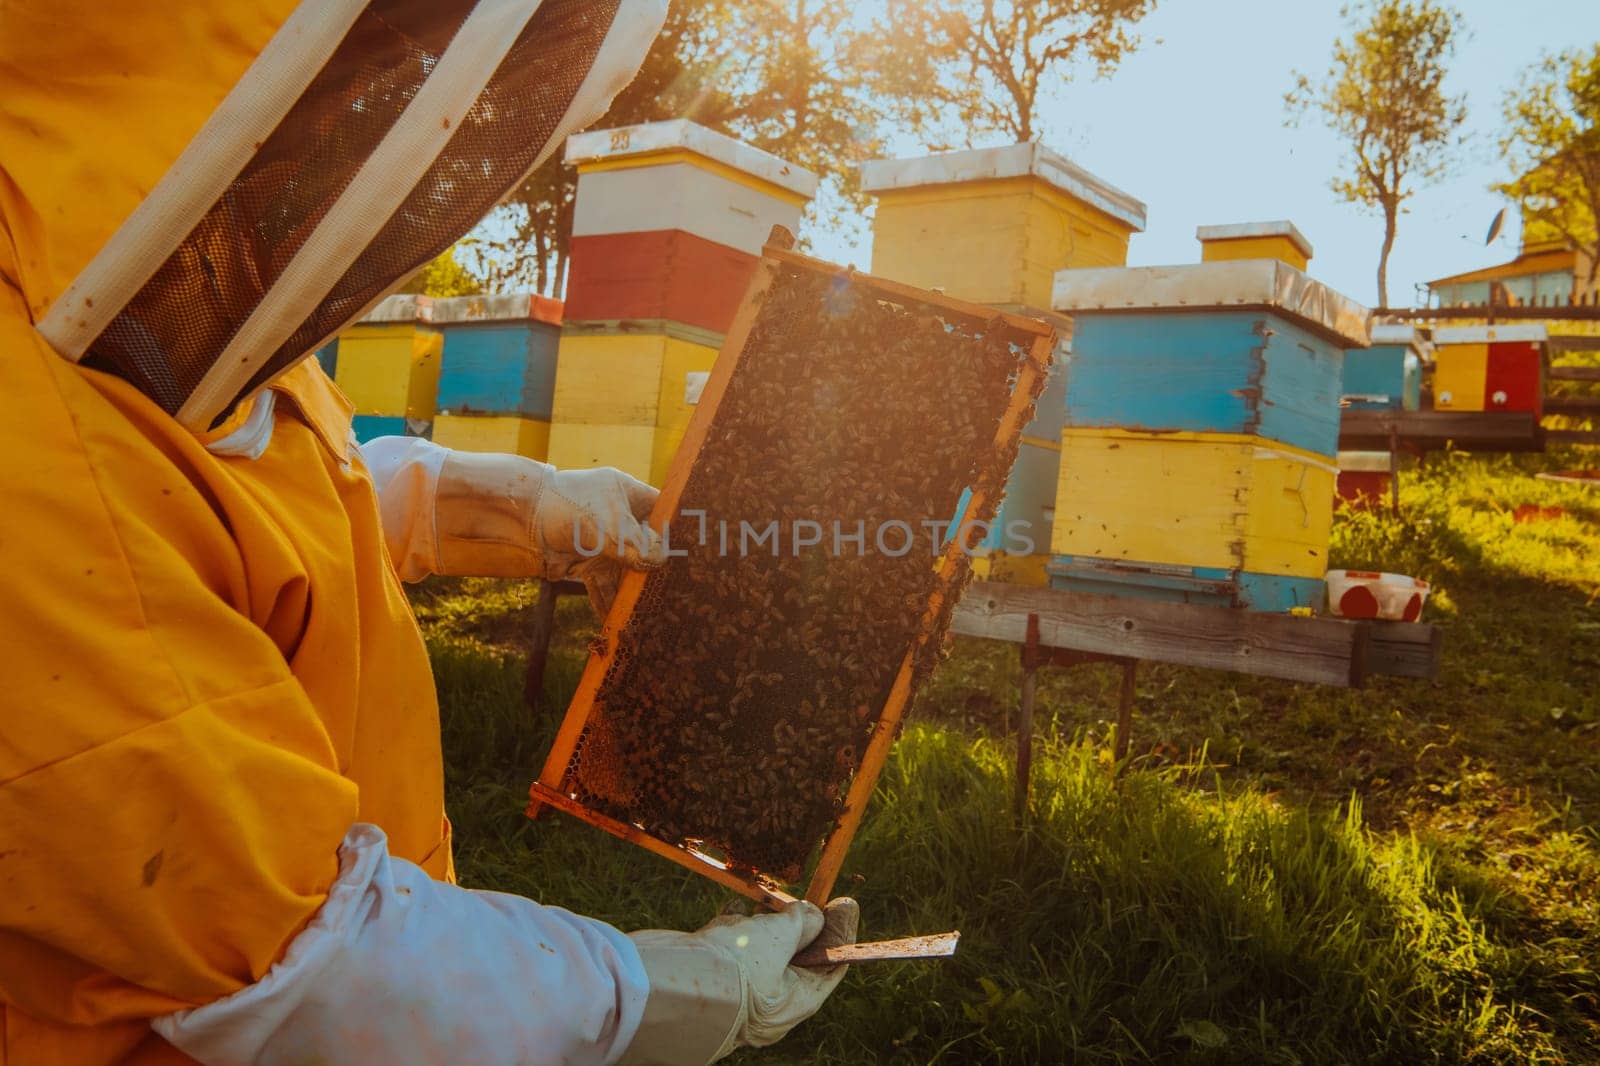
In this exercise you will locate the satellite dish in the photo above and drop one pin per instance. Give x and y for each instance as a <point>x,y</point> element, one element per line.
<point>1496,226</point>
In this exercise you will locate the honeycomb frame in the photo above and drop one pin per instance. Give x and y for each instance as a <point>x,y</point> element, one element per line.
<point>557,786</point>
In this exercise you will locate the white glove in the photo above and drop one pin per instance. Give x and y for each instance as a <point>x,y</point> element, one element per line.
<point>730,985</point>
<point>489,515</point>
<point>590,524</point>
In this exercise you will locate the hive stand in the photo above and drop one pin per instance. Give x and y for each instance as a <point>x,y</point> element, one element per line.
<point>1064,628</point>
<point>540,630</point>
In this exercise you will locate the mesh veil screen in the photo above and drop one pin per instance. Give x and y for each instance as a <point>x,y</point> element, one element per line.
<point>497,144</point>
<point>169,335</point>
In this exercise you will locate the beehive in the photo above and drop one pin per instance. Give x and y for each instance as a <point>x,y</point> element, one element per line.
<point>1365,478</point>
<point>497,372</point>
<point>742,700</point>
<point>625,397</point>
<point>388,362</point>
<point>1202,422</point>
<point>1222,509</point>
<point>1280,240</point>
<point>1490,368</point>
<point>1387,375</point>
<point>993,226</point>
<point>669,221</point>
<point>668,226</point>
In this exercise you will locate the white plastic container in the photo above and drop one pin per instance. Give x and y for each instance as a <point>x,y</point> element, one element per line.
<point>1371,594</point>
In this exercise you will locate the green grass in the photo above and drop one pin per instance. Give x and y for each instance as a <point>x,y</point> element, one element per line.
<point>1282,874</point>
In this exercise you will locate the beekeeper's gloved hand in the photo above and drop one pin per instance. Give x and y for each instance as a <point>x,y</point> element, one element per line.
<point>730,985</point>
<point>590,524</point>
<point>490,515</point>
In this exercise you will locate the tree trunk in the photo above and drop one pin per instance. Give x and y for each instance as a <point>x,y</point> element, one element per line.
<point>1390,217</point>
<point>561,274</point>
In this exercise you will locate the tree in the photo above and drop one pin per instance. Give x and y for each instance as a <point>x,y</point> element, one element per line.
<point>956,68</point>
<point>1552,140</point>
<point>779,74</point>
<point>444,276</point>
<point>1384,95</point>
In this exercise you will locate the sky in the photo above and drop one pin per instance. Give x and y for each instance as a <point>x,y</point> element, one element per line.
<point>1192,123</point>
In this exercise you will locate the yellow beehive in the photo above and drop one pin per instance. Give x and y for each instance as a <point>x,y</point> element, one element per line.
<point>1206,500</point>
<point>510,434</point>
<point>583,447</point>
<point>624,400</point>
<point>389,361</point>
<point>1280,240</point>
<point>1460,374</point>
<point>994,225</point>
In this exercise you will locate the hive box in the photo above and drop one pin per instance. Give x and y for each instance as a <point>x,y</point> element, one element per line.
<point>510,434</point>
<point>993,225</point>
<point>1387,375</point>
<point>1365,478</point>
<point>1251,347</point>
<point>1490,368</point>
<point>669,221</point>
<point>1280,240</point>
<point>1201,423</point>
<point>328,357</point>
<point>499,354</point>
<point>1210,518</point>
<point>668,227</point>
<point>625,397</point>
<point>1017,549</point>
<point>388,362</point>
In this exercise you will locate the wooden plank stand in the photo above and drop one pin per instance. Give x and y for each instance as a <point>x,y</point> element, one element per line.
<point>1032,344</point>
<point>1033,656</point>
<point>1064,628</point>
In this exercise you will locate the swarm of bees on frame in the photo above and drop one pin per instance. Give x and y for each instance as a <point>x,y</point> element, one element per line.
<point>751,674</point>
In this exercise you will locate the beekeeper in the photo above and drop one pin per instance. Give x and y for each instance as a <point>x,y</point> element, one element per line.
<point>222,831</point>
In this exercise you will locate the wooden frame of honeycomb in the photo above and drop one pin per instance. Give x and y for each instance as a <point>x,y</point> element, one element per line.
<point>802,777</point>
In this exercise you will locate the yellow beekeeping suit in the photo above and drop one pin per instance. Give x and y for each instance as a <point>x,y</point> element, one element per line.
<point>210,671</point>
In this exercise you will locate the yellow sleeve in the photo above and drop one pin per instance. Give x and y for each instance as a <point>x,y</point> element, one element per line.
<point>171,804</point>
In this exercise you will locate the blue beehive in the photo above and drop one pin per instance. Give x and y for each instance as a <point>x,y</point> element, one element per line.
<point>1387,375</point>
<point>1200,427</point>
<point>499,354</point>
<point>1223,347</point>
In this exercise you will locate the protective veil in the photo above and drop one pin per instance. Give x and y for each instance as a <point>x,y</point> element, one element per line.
<point>219,718</point>
<point>361,142</point>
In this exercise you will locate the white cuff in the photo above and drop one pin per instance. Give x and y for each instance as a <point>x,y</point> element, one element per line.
<point>398,968</point>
